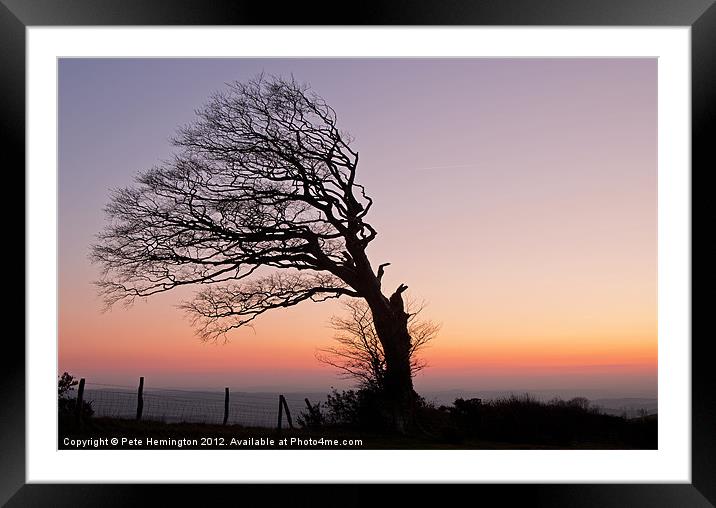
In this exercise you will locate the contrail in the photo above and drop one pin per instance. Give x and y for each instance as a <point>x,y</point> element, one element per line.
<point>454,166</point>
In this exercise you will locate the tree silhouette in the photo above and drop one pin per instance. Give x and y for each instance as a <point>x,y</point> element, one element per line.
<point>260,208</point>
<point>359,353</point>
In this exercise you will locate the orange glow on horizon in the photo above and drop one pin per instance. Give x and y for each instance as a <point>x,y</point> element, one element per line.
<point>153,338</point>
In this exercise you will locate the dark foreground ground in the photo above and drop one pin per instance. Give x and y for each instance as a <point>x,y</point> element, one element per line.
<point>111,433</point>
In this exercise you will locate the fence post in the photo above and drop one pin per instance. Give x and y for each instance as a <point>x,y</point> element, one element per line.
<point>80,398</point>
<point>288,413</point>
<point>140,398</point>
<point>280,411</point>
<point>226,405</point>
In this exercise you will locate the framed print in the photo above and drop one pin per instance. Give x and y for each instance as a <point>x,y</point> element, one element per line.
<point>433,245</point>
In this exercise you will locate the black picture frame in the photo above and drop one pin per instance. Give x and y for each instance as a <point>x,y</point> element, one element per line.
<point>700,15</point>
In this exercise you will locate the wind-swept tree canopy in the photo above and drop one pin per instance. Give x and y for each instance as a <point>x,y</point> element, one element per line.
<point>259,207</point>
<point>263,178</point>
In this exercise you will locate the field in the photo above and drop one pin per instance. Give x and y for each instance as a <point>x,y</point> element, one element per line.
<point>507,423</point>
<point>219,437</point>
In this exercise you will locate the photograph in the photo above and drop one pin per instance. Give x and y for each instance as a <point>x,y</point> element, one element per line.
<point>357,253</point>
<point>296,256</point>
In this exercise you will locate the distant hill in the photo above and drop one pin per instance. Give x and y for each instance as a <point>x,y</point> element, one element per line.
<point>632,406</point>
<point>618,406</point>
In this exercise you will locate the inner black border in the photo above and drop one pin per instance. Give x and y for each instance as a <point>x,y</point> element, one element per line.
<point>15,15</point>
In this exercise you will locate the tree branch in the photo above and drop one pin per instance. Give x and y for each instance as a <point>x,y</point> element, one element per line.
<point>216,310</point>
<point>262,178</point>
<point>381,271</point>
<point>359,354</point>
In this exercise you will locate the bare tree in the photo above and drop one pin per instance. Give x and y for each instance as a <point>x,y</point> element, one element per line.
<point>259,207</point>
<point>359,353</point>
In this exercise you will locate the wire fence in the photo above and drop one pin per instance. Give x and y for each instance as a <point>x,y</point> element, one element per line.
<point>209,407</point>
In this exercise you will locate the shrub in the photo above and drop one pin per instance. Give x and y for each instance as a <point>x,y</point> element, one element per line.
<point>524,419</point>
<point>361,409</point>
<point>66,404</point>
<point>313,419</point>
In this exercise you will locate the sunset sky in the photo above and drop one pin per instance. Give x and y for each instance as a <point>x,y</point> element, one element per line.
<point>517,197</point>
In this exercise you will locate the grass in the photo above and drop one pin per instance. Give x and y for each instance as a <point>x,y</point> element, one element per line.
<point>613,433</point>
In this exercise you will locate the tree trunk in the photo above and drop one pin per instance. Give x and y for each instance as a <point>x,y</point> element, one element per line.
<point>391,325</point>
